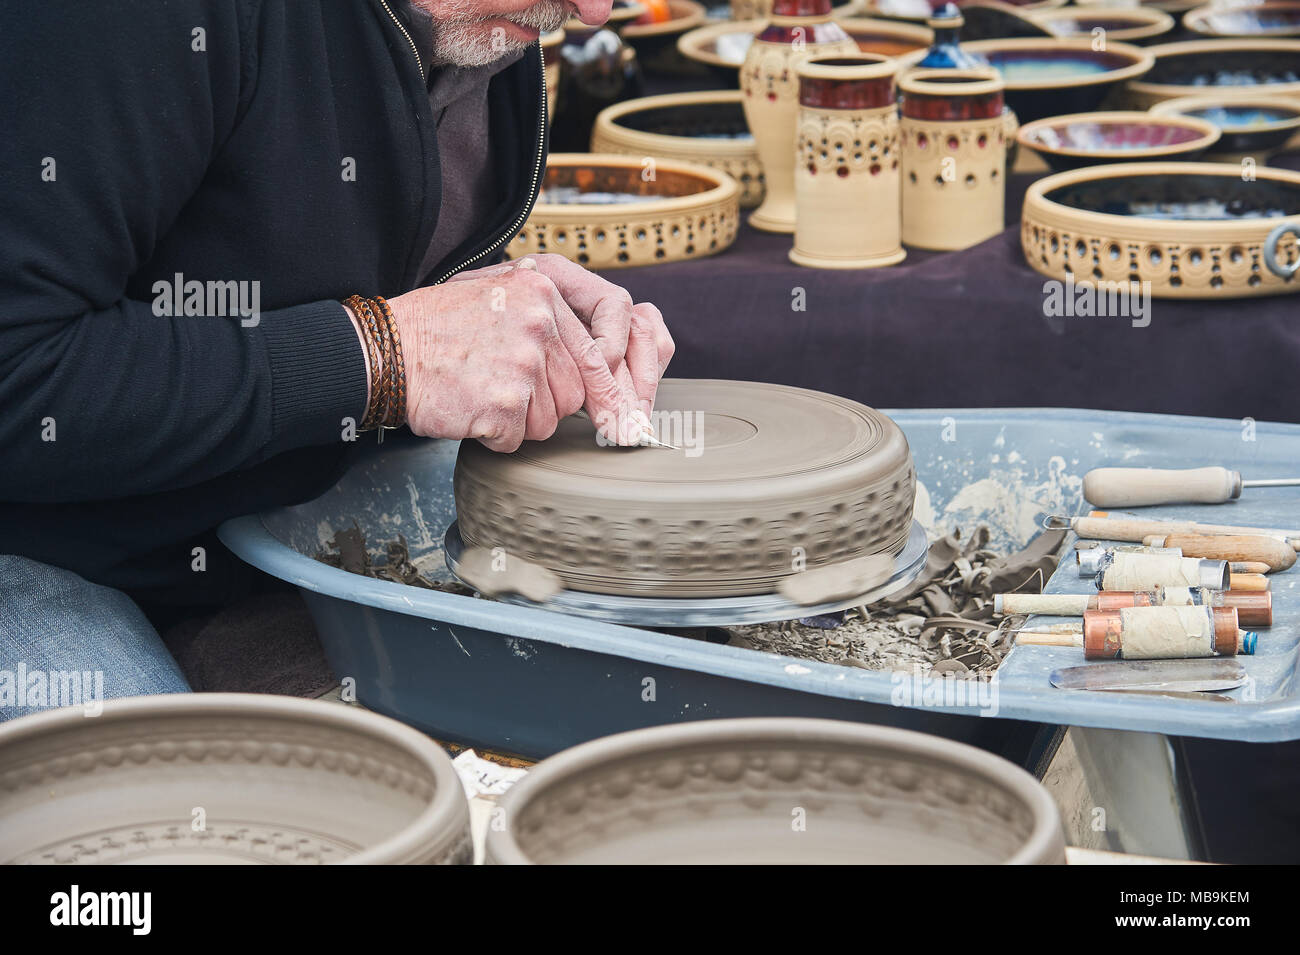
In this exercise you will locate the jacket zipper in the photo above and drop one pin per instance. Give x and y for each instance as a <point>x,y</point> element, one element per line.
<point>392,16</point>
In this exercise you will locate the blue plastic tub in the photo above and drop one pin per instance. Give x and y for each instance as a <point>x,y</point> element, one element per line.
<point>533,682</point>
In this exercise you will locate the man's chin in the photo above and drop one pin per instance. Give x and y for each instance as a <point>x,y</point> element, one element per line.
<point>482,43</point>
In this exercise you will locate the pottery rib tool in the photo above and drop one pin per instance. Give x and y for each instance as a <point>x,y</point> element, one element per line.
<point>1142,487</point>
<point>1102,525</point>
<point>1190,676</point>
<point>1253,609</point>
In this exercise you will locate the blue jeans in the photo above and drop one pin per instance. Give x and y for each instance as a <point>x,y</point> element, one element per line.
<point>66,641</point>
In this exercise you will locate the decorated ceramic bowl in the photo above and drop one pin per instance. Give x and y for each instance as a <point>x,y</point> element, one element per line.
<point>1085,139</point>
<point>1245,20</point>
<point>722,46</point>
<point>921,10</point>
<point>1051,77</point>
<point>1169,6</point>
<point>1229,68</point>
<point>1246,125</point>
<point>656,42</point>
<point>1192,230</point>
<point>702,127</point>
<point>607,211</point>
<point>1126,24</point>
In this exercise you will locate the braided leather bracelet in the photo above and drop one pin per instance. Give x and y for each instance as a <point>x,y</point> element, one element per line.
<point>387,405</point>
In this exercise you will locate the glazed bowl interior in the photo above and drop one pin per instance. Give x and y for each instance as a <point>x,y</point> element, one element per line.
<point>597,184</point>
<point>704,120</point>
<point>777,791</point>
<point>1264,20</point>
<point>1026,66</point>
<point>1226,66</point>
<point>1123,135</point>
<point>1118,23</point>
<point>276,780</point>
<point>1246,117</point>
<point>725,45</point>
<point>921,10</point>
<point>1189,197</point>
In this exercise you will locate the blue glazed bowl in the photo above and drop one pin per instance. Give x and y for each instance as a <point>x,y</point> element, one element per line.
<point>1246,125</point>
<point>1230,68</point>
<point>1254,20</point>
<point>1087,139</point>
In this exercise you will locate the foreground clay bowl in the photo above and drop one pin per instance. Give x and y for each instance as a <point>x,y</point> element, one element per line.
<point>1228,68</point>
<point>603,211</point>
<point>777,791</point>
<point>706,127</point>
<point>1246,125</point>
<point>1192,230</point>
<point>1128,25</point>
<point>212,778</point>
<point>1085,139</point>
<point>1053,77</point>
<point>1254,20</point>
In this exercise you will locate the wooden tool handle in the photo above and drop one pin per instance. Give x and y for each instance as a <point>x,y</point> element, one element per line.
<point>1140,487</point>
<point>1058,638</point>
<point>1253,583</point>
<point>1266,550</point>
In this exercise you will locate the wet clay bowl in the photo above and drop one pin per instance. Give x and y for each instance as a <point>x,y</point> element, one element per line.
<point>918,11</point>
<point>602,211</point>
<point>707,128</point>
<point>1053,77</point>
<point>1193,230</point>
<point>777,791</point>
<point>272,779</point>
<point>656,42</point>
<point>1128,25</point>
<point>1228,68</point>
<point>764,473</point>
<point>722,46</point>
<point>1253,20</point>
<point>1085,139</point>
<point>1246,125</point>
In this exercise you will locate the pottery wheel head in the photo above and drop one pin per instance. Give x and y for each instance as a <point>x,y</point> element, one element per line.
<point>765,479</point>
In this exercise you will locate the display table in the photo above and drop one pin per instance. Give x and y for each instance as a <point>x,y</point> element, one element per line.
<point>967,329</point>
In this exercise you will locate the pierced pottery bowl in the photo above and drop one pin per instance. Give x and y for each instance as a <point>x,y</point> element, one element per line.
<point>706,127</point>
<point>1246,125</point>
<point>1050,77</point>
<point>1229,68</point>
<point>1126,24</point>
<point>272,779</point>
<point>1193,230</point>
<point>777,790</point>
<point>1085,139</point>
<point>1245,20</point>
<point>602,211</point>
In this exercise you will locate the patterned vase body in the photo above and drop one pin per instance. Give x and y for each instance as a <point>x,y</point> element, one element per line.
<point>798,30</point>
<point>954,158</point>
<point>847,171</point>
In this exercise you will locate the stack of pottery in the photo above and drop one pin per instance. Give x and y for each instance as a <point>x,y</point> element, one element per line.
<point>954,158</point>
<point>846,173</point>
<point>797,31</point>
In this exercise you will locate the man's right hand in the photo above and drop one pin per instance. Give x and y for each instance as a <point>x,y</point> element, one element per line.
<point>497,355</point>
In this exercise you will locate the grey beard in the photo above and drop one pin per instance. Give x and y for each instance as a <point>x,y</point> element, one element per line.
<point>462,43</point>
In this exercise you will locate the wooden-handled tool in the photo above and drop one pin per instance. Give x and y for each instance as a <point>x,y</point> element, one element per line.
<point>1101,525</point>
<point>1140,487</point>
<point>1233,548</point>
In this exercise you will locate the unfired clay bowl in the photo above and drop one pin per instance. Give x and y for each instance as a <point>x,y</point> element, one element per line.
<point>1192,230</point>
<point>602,211</point>
<point>1246,125</point>
<point>703,127</point>
<point>1245,20</point>
<point>213,778</point>
<point>777,791</point>
<point>1128,25</point>
<point>1085,139</point>
<point>1229,68</point>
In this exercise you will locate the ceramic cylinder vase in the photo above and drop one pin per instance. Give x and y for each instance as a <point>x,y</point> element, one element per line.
<point>846,175</point>
<point>954,157</point>
<point>798,30</point>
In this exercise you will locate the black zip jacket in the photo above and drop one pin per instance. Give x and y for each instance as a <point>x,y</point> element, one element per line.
<point>285,143</point>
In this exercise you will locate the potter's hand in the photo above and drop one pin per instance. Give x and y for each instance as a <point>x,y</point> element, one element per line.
<point>497,355</point>
<point>633,338</point>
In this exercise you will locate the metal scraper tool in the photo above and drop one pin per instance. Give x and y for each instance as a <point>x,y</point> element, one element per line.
<point>647,440</point>
<point>1175,676</point>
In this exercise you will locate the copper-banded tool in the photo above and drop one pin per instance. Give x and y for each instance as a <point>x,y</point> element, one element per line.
<point>1253,609</point>
<point>1104,526</point>
<point>1149,633</point>
<point>1236,566</point>
<point>1255,548</point>
<point>1125,570</point>
<point>1142,487</point>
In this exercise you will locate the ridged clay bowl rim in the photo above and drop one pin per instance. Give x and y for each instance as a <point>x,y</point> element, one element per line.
<point>1044,842</point>
<point>610,129</point>
<point>1209,134</point>
<point>685,15</point>
<point>1147,22</point>
<point>1140,61</point>
<point>721,188</point>
<point>1153,90</point>
<point>436,829</point>
<point>1179,106</point>
<point>1195,19</point>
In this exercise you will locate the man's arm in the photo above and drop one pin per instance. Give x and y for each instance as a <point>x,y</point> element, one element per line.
<point>110,119</point>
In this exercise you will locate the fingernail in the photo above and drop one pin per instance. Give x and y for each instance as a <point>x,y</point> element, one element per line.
<point>526,263</point>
